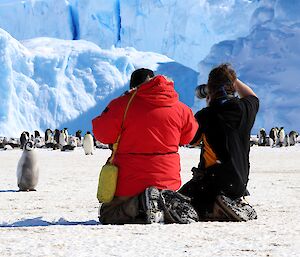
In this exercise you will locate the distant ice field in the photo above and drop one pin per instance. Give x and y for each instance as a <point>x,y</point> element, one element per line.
<point>60,218</point>
<point>63,61</point>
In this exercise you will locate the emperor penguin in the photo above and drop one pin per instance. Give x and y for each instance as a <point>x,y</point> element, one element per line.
<point>286,141</point>
<point>293,135</point>
<point>65,130</point>
<point>79,137</point>
<point>72,143</point>
<point>48,136</point>
<point>281,136</point>
<point>270,142</point>
<point>8,147</point>
<point>1,142</point>
<point>274,135</point>
<point>36,134</point>
<point>27,169</point>
<point>39,142</point>
<point>4,142</point>
<point>23,139</point>
<point>88,143</point>
<point>262,137</point>
<point>62,139</point>
<point>56,136</point>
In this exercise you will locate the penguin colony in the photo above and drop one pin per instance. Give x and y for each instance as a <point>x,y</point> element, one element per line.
<point>62,140</point>
<point>56,140</point>
<point>276,138</point>
<point>27,168</point>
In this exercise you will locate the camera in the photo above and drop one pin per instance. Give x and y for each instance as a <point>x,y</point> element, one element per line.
<point>201,91</point>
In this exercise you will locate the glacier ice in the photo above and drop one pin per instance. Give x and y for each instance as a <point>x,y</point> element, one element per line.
<point>267,59</point>
<point>25,19</point>
<point>182,30</point>
<point>260,37</point>
<point>97,21</point>
<point>56,83</point>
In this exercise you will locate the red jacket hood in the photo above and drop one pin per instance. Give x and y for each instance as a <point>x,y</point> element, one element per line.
<point>158,91</point>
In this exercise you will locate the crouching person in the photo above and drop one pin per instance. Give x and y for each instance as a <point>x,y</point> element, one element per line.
<point>148,123</point>
<point>219,183</point>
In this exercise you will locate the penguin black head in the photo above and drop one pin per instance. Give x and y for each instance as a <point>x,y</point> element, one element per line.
<point>29,146</point>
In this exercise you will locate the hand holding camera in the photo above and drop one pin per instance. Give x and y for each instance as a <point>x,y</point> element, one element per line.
<point>222,81</point>
<point>201,91</point>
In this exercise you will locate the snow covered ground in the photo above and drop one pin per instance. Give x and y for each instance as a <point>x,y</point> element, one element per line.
<point>60,219</point>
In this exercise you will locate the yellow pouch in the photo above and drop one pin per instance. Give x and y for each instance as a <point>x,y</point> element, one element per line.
<point>107,183</point>
<point>109,173</point>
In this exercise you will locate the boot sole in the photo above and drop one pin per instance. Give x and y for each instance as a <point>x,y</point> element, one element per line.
<point>152,197</point>
<point>227,206</point>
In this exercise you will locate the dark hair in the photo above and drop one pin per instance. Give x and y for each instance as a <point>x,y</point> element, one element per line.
<point>221,78</point>
<point>139,76</point>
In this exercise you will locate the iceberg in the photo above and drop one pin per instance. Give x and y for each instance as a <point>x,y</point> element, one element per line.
<point>268,60</point>
<point>70,80</point>
<point>182,30</point>
<point>25,19</point>
<point>54,83</point>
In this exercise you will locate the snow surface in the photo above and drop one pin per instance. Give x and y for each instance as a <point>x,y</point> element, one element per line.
<point>53,83</point>
<point>60,218</point>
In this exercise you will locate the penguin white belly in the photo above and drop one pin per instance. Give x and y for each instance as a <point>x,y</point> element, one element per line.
<point>62,139</point>
<point>88,144</point>
<point>49,138</point>
<point>271,142</point>
<point>281,136</point>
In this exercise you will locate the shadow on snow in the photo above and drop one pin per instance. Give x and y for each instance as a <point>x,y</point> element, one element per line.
<point>38,222</point>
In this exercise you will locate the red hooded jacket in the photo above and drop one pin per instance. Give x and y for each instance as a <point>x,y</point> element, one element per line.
<point>155,125</point>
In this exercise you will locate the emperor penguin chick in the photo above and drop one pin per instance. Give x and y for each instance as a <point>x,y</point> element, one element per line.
<point>27,170</point>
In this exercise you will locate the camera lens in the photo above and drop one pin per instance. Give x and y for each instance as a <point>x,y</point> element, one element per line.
<point>201,91</point>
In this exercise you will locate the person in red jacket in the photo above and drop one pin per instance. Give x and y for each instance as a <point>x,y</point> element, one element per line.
<point>157,123</point>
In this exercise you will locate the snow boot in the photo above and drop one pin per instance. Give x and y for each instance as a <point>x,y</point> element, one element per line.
<point>178,208</point>
<point>226,209</point>
<point>152,205</point>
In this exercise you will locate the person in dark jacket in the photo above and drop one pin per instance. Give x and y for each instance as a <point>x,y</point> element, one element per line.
<point>156,124</point>
<point>220,180</point>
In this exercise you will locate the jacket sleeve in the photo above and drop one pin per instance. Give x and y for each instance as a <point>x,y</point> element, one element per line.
<point>198,134</point>
<point>251,104</point>
<point>107,126</point>
<point>189,128</point>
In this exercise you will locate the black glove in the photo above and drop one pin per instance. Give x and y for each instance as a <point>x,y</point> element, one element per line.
<point>197,173</point>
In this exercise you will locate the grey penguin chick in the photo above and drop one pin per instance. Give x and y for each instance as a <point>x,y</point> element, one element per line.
<point>28,170</point>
